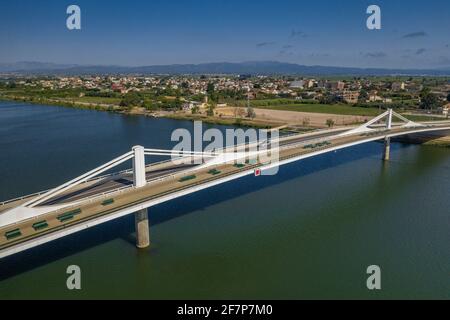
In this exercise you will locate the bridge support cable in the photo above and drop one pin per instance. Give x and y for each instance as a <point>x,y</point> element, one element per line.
<point>388,115</point>
<point>408,123</point>
<point>83,178</point>
<point>365,127</point>
<point>179,154</point>
<point>159,152</point>
<point>138,154</point>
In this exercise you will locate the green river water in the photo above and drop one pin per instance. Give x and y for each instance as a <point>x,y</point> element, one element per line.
<point>309,232</point>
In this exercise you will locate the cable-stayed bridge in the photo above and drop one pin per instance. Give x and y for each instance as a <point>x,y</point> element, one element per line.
<point>95,197</point>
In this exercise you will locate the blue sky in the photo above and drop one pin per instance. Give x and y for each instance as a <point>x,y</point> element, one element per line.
<point>136,32</point>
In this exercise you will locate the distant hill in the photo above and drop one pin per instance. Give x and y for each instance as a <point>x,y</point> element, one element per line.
<point>32,66</point>
<point>253,68</point>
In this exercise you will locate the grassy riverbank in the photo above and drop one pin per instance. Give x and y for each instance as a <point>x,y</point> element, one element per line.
<point>443,142</point>
<point>142,112</point>
<point>112,105</point>
<point>64,103</point>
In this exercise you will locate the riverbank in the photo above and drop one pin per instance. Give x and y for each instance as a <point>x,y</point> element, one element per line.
<point>443,142</point>
<point>218,120</point>
<point>265,118</point>
<point>433,140</point>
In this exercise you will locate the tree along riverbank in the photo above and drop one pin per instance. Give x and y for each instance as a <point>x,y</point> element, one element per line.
<point>143,112</point>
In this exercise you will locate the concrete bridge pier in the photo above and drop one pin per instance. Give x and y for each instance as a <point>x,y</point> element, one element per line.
<point>140,217</point>
<point>387,149</point>
<point>142,229</point>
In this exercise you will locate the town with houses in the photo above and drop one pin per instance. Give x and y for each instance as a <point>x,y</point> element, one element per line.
<point>209,95</point>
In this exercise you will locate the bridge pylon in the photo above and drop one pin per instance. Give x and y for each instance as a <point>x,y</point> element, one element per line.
<point>387,140</point>
<point>139,178</point>
<point>388,117</point>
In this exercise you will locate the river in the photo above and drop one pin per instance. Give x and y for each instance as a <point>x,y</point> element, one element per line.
<point>309,232</point>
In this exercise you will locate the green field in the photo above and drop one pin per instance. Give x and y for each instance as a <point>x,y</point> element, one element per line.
<point>278,101</point>
<point>419,118</point>
<point>340,109</point>
<point>98,100</point>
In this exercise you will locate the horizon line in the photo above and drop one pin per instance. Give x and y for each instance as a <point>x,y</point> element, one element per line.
<point>74,65</point>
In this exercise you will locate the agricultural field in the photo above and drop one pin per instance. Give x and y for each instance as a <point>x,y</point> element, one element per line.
<point>339,109</point>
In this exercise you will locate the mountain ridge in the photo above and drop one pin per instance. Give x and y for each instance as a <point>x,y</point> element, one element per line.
<point>248,67</point>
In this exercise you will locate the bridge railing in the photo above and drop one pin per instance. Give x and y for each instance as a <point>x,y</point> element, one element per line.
<point>96,197</point>
<point>130,171</point>
<point>77,204</point>
<point>98,178</point>
<point>23,197</point>
<point>126,188</point>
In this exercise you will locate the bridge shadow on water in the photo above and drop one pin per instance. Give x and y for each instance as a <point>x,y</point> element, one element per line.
<point>123,228</point>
